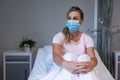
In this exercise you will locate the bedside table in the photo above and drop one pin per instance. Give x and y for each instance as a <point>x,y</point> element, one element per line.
<point>117,64</point>
<point>17,65</point>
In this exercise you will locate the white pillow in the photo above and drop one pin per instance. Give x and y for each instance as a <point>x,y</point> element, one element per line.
<point>50,64</point>
<point>47,49</point>
<point>49,57</point>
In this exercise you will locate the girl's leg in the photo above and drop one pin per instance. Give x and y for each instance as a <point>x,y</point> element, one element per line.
<point>69,75</point>
<point>83,58</point>
<point>70,57</point>
<point>89,75</point>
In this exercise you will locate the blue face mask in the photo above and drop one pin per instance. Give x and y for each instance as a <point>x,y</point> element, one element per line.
<point>73,25</point>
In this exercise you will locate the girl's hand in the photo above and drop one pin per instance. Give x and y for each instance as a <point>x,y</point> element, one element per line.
<point>86,66</point>
<point>71,66</point>
<point>78,67</point>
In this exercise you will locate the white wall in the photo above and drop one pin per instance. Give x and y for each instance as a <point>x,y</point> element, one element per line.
<point>37,19</point>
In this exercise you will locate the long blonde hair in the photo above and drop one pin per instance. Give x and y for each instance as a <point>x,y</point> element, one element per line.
<point>66,31</point>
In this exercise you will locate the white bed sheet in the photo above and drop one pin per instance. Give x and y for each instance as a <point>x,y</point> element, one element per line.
<point>44,64</point>
<point>39,67</point>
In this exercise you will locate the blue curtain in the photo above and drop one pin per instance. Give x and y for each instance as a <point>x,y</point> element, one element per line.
<point>104,36</point>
